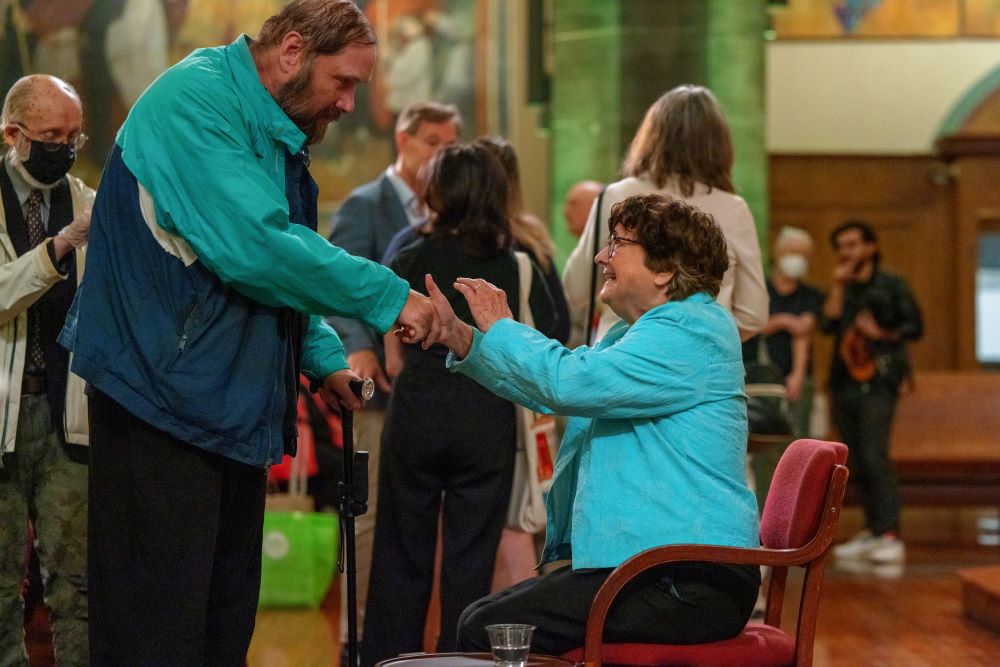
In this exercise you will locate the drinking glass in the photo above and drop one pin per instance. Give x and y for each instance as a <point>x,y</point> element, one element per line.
<point>511,643</point>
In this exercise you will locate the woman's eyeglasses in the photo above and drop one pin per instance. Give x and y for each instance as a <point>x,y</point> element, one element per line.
<point>77,141</point>
<point>615,242</point>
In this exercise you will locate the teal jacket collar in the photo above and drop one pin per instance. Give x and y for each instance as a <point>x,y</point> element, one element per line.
<point>271,117</point>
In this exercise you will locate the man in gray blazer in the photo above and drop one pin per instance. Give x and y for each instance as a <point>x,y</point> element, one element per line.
<point>363,225</point>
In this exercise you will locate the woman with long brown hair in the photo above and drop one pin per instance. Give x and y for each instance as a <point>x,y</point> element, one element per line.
<point>682,149</point>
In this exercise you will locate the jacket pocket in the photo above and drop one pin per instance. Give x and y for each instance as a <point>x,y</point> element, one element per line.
<point>188,318</point>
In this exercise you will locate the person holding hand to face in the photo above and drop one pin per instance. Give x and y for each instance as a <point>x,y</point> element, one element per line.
<point>872,314</point>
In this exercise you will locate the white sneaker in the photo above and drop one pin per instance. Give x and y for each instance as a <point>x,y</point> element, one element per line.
<point>887,549</point>
<point>857,547</point>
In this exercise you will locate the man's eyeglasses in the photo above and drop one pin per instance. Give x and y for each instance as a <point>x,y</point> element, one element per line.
<point>77,141</point>
<point>615,242</point>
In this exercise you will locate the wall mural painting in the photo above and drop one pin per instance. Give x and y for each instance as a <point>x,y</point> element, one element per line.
<point>809,19</point>
<point>112,49</point>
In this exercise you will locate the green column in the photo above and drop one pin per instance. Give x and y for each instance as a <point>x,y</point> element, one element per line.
<point>736,74</point>
<point>613,58</point>
<point>586,101</point>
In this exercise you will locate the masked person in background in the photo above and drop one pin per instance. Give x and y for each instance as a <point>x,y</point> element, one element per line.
<point>44,224</point>
<point>787,339</point>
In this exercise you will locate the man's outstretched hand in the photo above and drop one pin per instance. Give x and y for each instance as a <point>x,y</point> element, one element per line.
<point>455,334</point>
<point>418,321</point>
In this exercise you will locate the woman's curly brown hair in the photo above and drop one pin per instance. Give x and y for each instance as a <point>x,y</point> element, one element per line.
<point>677,237</point>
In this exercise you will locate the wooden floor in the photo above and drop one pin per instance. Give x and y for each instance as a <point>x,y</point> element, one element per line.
<point>869,617</point>
<point>874,618</point>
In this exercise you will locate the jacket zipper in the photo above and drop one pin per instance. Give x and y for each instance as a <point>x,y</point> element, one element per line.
<point>188,324</point>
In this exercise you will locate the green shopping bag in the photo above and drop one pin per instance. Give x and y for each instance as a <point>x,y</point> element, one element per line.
<point>298,559</point>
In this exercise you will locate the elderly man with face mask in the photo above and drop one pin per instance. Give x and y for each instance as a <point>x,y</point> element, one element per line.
<point>787,337</point>
<point>204,299</point>
<point>44,224</point>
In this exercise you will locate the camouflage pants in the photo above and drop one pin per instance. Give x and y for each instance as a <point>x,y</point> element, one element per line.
<point>39,482</point>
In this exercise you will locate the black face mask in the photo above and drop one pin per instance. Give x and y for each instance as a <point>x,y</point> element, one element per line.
<point>48,162</point>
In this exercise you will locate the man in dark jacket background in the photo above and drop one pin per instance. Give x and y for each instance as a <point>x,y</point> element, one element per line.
<point>872,315</point>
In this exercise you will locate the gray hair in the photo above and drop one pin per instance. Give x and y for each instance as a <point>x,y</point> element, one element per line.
<point>788,234</point>
<point>412,117</point>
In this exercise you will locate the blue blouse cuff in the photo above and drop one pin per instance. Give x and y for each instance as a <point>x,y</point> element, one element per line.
<point>453,363</point>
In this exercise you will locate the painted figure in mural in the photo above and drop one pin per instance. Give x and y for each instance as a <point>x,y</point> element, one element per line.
<point>112,50</point>
<point>205,292</point>
<point>408,72</point>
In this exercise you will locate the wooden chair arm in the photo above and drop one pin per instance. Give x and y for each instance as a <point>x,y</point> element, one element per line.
<point>649,558</point>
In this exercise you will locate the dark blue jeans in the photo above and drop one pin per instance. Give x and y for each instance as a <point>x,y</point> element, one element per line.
<point>863,415</point>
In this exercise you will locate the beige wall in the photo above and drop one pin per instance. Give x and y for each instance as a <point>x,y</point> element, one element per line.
<point>861,97</point>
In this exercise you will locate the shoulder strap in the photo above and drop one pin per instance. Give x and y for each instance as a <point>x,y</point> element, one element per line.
<point>524,272</point>
<point>589,324</point>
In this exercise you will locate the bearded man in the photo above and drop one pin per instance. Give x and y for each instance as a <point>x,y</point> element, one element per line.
<point>204,299</point>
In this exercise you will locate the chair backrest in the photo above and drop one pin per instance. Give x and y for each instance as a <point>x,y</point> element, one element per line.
<point>800,518</point>
<point>795,501</point>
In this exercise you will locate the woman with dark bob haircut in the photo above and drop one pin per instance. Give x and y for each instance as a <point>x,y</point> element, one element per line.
<point>654,450</point>
<point>447,439</point>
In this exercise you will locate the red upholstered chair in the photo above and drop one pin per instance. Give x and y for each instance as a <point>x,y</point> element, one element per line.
<point>799,520</point>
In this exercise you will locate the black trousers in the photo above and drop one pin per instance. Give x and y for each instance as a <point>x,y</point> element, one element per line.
<point>675,603</point>
<point>863,415</point>
<point>459,467</point>
<point>174,547</point>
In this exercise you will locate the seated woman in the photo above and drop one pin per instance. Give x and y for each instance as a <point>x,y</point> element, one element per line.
<point>656,442</point>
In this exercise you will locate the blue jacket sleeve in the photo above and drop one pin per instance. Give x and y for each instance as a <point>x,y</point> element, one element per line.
<point>192,150</point>
<point>353,230</point>
<point>653,370</point>
<point>322,352</point>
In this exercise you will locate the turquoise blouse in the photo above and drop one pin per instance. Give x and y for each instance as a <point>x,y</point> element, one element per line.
<point>655,449</point>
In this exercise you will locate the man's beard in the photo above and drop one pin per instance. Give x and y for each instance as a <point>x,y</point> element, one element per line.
<point>293,98</point>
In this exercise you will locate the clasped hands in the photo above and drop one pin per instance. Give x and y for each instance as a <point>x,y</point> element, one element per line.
<point>487,302</point>
<point>428,320</point>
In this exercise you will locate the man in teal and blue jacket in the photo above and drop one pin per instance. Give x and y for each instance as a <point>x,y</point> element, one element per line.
<point>202,302</point>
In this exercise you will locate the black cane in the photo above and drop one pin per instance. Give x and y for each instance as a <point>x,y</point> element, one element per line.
<point>353,502</point>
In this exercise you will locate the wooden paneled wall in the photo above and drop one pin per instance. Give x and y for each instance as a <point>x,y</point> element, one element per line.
<point>975,168</point>
<point>909,202</point>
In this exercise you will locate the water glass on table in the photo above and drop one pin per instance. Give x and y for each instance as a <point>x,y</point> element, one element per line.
<point>511,643</point>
